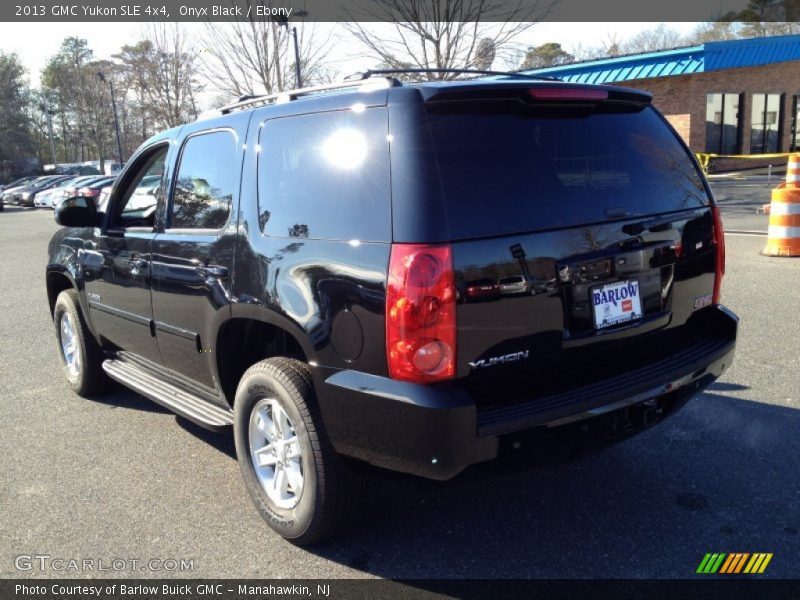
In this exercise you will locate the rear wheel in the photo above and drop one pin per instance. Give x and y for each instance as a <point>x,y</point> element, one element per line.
<point>299,484</point>
<point>81,356</point>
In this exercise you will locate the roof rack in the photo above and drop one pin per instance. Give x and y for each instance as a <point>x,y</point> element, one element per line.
<point>246,102</point>
<point>364,80</point>
<point>370,72</point>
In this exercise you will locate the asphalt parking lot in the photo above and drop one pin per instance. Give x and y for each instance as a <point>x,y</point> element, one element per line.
<point>119,477</point>
<point>740,197</point>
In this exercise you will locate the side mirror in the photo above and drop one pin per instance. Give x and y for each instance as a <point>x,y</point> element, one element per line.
<point>77,212</point>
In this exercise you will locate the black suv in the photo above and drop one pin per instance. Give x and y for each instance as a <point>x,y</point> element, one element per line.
<point>298,267</point>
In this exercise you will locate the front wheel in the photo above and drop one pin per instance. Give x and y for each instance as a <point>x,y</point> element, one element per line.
<point>299,484</point>
<point>81,356</point>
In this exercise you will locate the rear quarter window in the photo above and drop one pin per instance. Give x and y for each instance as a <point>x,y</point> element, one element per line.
<point>325,176</point>
<point>506,168</point>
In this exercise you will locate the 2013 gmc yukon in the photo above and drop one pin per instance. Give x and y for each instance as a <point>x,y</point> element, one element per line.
<point>309,268</point>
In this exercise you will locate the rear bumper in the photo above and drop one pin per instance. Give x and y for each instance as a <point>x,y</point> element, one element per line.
<point>436,432</point>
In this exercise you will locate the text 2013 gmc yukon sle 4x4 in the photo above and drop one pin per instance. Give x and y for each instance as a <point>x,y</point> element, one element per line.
<point>326,271</point>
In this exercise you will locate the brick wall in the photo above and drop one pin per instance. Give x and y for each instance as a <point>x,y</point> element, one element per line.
<point>682,124</point>
<point>682,98</point>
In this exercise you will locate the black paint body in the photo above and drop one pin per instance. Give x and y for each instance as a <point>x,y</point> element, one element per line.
<point>148,295</point>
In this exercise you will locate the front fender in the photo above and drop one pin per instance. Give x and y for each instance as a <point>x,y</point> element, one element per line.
<point>64,265</point>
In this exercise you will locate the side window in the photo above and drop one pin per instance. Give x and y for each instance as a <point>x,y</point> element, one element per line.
<point>326,176</point>
<point>207,179</point>
<point>137,205</point>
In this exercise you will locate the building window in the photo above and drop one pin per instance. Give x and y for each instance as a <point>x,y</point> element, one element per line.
<point>723,120</point>
<point>795,139</point>
<point>766,122</point>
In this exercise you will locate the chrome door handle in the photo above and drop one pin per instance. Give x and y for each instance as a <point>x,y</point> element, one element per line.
<point>215,271</point>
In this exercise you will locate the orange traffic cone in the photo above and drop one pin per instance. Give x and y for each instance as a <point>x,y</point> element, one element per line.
<point>783,237</point>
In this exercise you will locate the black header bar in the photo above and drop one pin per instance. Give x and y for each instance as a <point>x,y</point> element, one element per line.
<point>385,11</point>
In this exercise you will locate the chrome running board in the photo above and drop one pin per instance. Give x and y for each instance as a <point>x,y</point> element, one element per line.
<point>177,400</point>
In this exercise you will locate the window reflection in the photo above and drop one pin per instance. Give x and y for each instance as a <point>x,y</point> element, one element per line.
<point>765,123</point>
<point>319,174</point>
<point>345,148</point>
<point>206,181</point>
<point>138,205</point>
<point>508,169</point>
<point>722,123</point>
<point>298,231</point>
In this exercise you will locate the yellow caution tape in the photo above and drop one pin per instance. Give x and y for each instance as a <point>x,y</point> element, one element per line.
<point>705,157</point>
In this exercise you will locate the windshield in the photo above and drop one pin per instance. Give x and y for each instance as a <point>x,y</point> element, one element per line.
<point>508,168</point>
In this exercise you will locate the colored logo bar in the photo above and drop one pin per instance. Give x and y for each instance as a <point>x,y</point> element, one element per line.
<point>734,563</point>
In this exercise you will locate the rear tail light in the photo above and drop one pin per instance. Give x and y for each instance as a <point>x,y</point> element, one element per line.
<point>88,192</point>
<point>719,243</point>
<point>421,313</point>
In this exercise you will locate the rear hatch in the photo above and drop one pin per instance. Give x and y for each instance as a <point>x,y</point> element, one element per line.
<point>593,202</point>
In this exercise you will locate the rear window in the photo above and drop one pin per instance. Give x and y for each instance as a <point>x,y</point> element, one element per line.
<point>508,168</point>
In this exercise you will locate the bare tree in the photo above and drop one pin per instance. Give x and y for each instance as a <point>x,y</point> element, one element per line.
<point>170,70</point>
<point>582,52</point>
<point>444,34</point>
<point>767,28</point>
<point>714,31</point>
<point>159,70</point>
<point>650,40</point>
<point>733,30</point>
<point>66,77</point>
<point>252,56</point>
<point>611,46</point>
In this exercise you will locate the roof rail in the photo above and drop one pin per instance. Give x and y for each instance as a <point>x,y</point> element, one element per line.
<point>370,72</point>
<point>246,102</point>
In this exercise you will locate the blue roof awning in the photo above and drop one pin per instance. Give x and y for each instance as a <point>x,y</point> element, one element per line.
<point>711,56</point>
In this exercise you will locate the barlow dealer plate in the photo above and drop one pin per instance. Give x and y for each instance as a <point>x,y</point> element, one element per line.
<point>616,303</point>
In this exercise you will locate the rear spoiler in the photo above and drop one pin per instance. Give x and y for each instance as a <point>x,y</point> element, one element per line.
<point>534,92</point>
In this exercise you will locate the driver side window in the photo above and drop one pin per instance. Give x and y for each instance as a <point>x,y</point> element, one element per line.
<point>136,206</point>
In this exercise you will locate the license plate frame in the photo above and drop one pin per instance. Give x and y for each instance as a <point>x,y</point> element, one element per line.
<point>618,303</point>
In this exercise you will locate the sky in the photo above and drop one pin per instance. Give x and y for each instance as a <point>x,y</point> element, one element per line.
<point>35,43</point>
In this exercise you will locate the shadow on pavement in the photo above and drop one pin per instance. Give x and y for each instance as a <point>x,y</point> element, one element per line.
<point>721,475</point>
<point>722,386</point>
<point>13,208</point>
<point>222,441</point>
<point>123,398</point>
<point>120,397</point>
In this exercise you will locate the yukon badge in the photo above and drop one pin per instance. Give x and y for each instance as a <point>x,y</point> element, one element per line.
<point>499,360</point>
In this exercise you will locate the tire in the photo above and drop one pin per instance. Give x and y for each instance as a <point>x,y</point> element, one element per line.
<point>88,378</point>
<point>321,500</point>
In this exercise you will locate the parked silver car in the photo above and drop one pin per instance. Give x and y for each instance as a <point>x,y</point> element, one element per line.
<point>516,284</point>
<point>26,195</point>
<point>50,197</point>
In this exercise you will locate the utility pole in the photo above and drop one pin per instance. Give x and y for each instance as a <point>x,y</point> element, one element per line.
<point>101,76</point>
<point>49,116</point>
<point>297,76</point>
<point>284,22</point>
